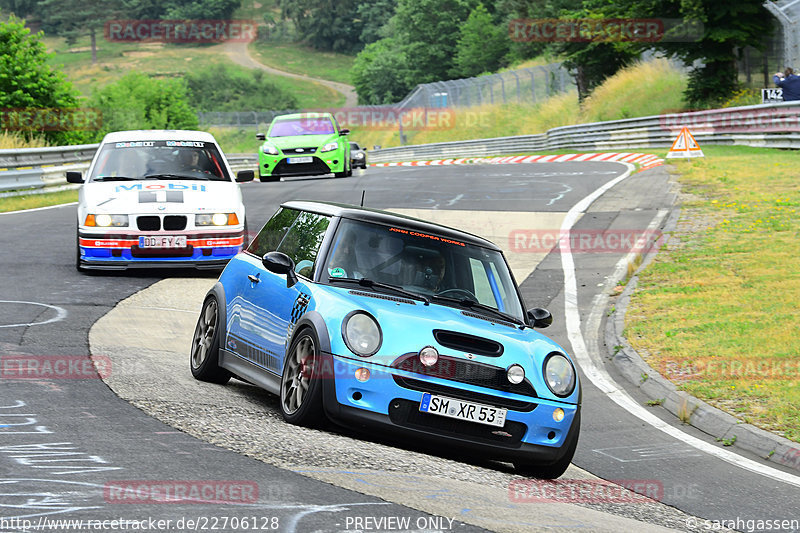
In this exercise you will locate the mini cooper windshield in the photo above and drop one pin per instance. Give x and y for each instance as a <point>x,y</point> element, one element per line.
<point>433,267</point>
<point>195,160</point>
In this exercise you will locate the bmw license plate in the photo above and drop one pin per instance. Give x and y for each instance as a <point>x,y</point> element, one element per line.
<point>461,410</point>
<point>163,241</point>
<point>305,159</point>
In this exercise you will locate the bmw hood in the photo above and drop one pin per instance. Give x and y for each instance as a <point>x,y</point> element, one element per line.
<point>162,196</point>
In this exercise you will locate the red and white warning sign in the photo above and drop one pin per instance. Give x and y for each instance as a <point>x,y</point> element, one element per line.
<point>685,146</point>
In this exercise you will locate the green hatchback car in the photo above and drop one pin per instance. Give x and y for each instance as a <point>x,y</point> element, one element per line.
<point>304,144</point>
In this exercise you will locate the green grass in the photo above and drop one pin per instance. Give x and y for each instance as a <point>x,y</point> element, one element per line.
<point>641,90</point>
<point>718,310</point>
<point>159,59</point>
<point>299,59</point>
<point>30,201</point>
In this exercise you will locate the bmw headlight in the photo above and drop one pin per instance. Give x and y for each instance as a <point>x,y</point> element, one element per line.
<point>330,146</point>
<point>559,374</point>
<point>105,221</point>
<point>216,219</point>
<point>269,149</point>
<point>362,334</point>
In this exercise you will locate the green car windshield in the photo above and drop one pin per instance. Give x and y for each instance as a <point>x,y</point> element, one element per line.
<point>301,126</point>
<point>429,265</point>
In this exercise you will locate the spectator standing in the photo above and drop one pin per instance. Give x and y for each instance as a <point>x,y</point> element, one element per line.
<point>790,83</point>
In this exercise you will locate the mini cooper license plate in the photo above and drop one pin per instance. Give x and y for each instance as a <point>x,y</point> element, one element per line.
<point>293,160</point>
<point>461,410</point>
<point>163,241</point>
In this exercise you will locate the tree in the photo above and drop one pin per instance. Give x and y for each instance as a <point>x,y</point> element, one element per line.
<point>379,73</point>
<point>220,88</point>
<point>74,18</point>
<point>137,101</point>
<point>482,44</point>
<point>428,32</point>
<point>27,82</point>
<point>373,17</point>
<point>200,9</point>
<point>325,25</point>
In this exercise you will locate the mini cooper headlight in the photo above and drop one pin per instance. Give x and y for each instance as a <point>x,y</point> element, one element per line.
<point>428,356</point>
<point>559,374</point>
<point>270,150</point>
<point>216,219</point>
<point>362,334</point>
<point>105,221</point>
<point>515,374</point>
<point>330,146</point>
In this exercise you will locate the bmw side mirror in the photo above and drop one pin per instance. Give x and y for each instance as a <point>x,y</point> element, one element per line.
<point>280,263</point>
<point>344,132</point>
<point>261,137</point>
<point>539,317</point>
<point>73,176</point>
<point>245,175</point>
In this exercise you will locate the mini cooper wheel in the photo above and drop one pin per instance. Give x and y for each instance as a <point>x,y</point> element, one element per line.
<point>555,470</point>
<point>204,360</point>
<point>301,386</point>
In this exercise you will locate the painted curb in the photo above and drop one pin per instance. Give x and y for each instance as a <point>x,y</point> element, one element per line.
<point>697,413</point>
<point>645,161</point>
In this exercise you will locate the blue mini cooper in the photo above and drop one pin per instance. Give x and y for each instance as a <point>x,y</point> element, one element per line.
<point>376,319</point>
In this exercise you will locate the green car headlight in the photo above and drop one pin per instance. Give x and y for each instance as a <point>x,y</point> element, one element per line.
<point>270,150</point>
<point>330,146</point>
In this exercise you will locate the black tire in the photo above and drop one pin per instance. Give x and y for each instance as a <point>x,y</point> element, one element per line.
<point>204,359</point>
<point>301,387</point>
<point>555,470</point>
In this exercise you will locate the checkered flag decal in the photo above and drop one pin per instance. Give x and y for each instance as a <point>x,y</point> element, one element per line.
<point>300,306</point>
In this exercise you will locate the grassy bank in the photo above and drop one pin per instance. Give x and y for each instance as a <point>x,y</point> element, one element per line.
<point>717,312</point>
<point>31,201</point>
<point>298,59</point>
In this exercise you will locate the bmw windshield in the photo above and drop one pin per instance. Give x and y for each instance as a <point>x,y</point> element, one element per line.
<point>138,160</point>
<point>441,269</point>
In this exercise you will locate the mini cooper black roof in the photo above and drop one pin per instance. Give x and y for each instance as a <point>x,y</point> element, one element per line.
<point>377,216</point>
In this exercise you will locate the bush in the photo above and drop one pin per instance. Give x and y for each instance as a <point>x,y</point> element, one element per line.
<point>138,101</point>
<point>221,88</point>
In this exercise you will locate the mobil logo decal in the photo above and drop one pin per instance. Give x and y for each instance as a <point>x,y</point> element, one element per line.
<point>161,187</point>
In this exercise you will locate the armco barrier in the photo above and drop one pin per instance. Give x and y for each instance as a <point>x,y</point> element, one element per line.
<point>767,125</point>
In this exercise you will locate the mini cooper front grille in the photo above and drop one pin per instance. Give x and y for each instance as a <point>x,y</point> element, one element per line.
<point>468,343</point>
<point>382,297</point>
<point>471,372</point>
<point>461,394</point>
<point>490,319</point>
<point>407,414</point>
<point>148,223</point>
<point>174,222</point>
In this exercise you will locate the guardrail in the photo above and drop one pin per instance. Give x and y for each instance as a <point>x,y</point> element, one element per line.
<point>766,125</point>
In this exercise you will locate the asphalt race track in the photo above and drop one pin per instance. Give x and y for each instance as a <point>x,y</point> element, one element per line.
<point>66,444</point>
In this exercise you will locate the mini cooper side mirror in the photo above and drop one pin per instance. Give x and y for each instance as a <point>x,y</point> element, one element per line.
<point>73,176</point>
<point>245,175</point>
<point>261,136</point>
<point>280,263</point>
<point>539,317</point>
